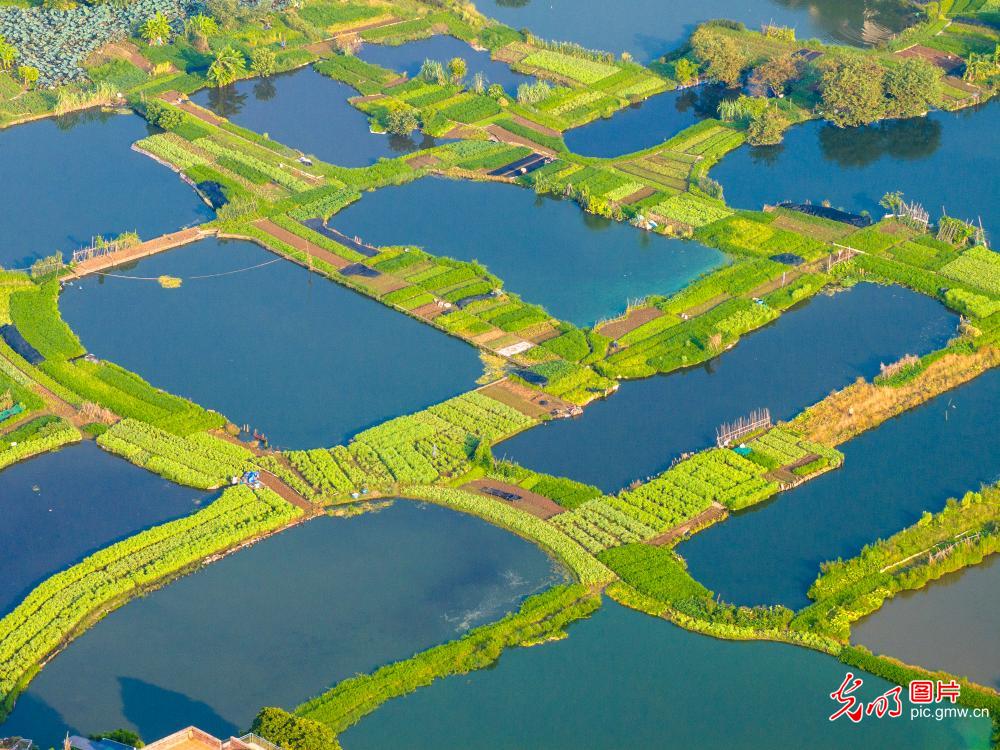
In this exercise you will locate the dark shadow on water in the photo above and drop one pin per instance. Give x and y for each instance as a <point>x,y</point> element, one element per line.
<point>227,100</point>
<point>916,138</point>
<point>32,711</point>
<point>156,712</point>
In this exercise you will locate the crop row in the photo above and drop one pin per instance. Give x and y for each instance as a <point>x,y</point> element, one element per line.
<point>26,441</point>
<point>236,157</point>
<point>978,267</point>
<point>577,68</point>
<point>199,460</point>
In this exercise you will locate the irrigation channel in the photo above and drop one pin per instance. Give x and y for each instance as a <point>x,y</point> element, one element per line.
<point>641,27</point>
<point>890,476</point>
<point>60,507</point>
<point>951,624</point>
<point>579,266</point>
<point>810,350</point>
<point>281,621</point>
<point>947,159</point>
<point>306,361</point>
<point>648,123</point>
<point>77,177</point>
<point>308,111</point>
<point>408,59</point>
<point>624,679</point>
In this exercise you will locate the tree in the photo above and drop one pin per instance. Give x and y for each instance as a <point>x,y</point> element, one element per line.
<point>226,13</point>
<point>912,87</point>
<point>766,128</point>
<point>685,70</point>
<point>723,56</point>
<point>457,68</point>
<point>202,25</point>
<point>8,54</point>
<point>401,121</point>
<point>891,201</point>
<point>293,732</point>
<point>777,72</point>
<point>852,91</point>
<point>229,64</point>
<point>478,83</point>
<point>263,61</point>
<point>163,116</point>
<point>432,71</point>
<point>156,29</point>
<point>28,75</point>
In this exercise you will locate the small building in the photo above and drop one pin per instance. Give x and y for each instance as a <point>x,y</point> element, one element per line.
<point>189,738</point>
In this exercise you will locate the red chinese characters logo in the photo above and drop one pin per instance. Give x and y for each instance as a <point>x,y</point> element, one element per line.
<point>921,692</point>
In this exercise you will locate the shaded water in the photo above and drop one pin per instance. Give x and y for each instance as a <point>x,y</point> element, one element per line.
<point>408,58</point>
<point>303,359</point>
<point>579,266</point>
<point>951,625</point>
<point>648,28</point>
<point>279,622</point>
<point>892,474</point>
<point>308,111</point>
<point>947,159</point>
<point>797,360</point>
<point>60,507</point>
<point>626,680</point>
<point>69,178</point>
<point>649,123</point>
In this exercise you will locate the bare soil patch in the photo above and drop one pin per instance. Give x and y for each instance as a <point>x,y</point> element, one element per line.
<point>635,318</point>
<point>532,502</point>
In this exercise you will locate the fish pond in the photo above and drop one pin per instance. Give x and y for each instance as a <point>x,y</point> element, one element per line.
<point>946,159</point>
<point>624,679</point>
<point>281,621</point>
<point>951,624</point>
<point>308,111</point>
<point>890,475</point>
<point>265,342</point>
<point>810,350</point>
<point>580,267</point>
<point>408,59</point>
<point>648,29</point>
<point>73,177</point>
<point>60,507</point>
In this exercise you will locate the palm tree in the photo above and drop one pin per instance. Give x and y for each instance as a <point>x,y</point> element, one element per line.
<point>8,53</point>
<point>229,65</point>
<point>156,29</point>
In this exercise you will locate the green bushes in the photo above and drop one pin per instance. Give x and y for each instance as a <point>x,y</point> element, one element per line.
<point>293,732</point>
<point>35,312</point>
<point>978,267</point>
<point>578,68</point>
<point>472,109</point>
<point>35,437</point>
<point>596,525</point>
<point>199,460</point>
<point>541,617</point>
<point>363,76</point>
<point>654,571</point>
<point>691,486</point>
<point>128,395</point>
<point>971,304</point>
<point>56,609</point>
<point>418,448</point>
